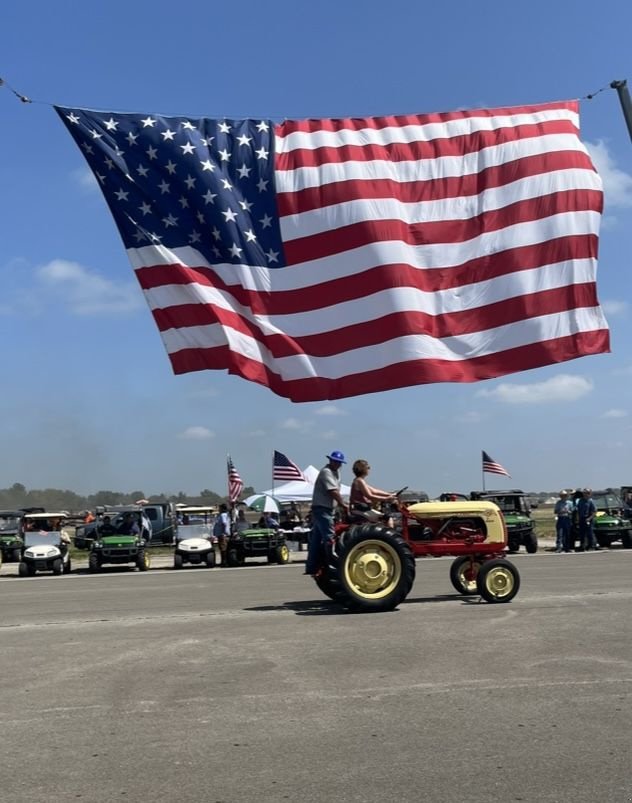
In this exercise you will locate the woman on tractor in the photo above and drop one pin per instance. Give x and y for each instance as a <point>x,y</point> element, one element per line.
<point>363,495</point>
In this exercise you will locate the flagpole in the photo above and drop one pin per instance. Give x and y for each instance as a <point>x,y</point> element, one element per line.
<point>483,472</point>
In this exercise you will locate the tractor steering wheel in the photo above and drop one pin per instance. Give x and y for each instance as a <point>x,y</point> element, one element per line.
<point>401,491</point>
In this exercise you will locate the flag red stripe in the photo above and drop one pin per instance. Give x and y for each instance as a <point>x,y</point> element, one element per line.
<point>289,203</point>
<point>417,150</point>
<point>345,238</point>
<point>398,375</point>
<point>390,326</point>
<point>374,280</point>
<point>397,120</point>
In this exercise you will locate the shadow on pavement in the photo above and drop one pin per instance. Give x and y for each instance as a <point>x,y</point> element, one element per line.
<point>321,607</point>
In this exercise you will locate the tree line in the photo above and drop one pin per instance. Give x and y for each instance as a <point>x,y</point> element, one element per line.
<point>18,496</point>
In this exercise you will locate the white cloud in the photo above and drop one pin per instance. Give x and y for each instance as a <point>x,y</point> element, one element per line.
<point>615,413</point>
<point>617,184</point>
<point>614,308</point>
<point>84,177</point>
<point>330,409</point>
<point>85,292</point>
<point>295,424</point>
<point>196,434</point>
<point>560,388</point>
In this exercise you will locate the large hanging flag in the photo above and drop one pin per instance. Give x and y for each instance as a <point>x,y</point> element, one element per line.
<point>492,467</point>
<point>334,257</point>
<point>235,484</point>
<point>284,470</point>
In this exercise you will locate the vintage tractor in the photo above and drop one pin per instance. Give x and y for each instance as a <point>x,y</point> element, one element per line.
<point>371,566</point>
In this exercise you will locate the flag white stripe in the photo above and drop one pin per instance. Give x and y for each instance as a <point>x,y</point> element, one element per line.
<point>347,213</point>
<point>402,299</point>
<point>382,355</point>
<point>301,178</point>
<point>469,124</point>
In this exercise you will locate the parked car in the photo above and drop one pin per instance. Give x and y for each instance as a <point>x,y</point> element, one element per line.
<point>517,514</point>
<point>158,523</point>
<point>10,536</point>
<point>45,546</point>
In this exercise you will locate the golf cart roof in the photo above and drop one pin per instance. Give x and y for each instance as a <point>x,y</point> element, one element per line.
<point>49,515</point>
<point>197,509</point>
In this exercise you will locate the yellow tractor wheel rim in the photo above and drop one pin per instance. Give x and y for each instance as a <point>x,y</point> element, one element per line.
<point>372,569</point>
<point>285,553</point>
<point>467,575</point>
<point>499,582</point>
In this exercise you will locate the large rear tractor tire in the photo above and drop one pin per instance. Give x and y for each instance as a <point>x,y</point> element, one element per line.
<point>376,568</point>
<point>327,581</point>
<point>463,573</point>
<point>498,581</point>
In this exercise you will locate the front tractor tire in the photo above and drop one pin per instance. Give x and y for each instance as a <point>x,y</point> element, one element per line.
<point>376,569</point>
<point>498,581</point>
<point>463,574</point>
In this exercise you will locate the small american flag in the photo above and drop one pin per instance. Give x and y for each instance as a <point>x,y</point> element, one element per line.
<point>328,258</point>
<point>492,467</point>
<point>284,470</point>
<point>235,484</point>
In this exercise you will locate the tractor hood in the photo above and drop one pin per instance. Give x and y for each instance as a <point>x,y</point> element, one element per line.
<point>460,509</point>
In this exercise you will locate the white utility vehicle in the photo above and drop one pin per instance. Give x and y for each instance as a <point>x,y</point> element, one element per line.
<point>46,545</point>
<point>194,540</point>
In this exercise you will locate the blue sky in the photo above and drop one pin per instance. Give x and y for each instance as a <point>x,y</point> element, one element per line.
<point>89,401</point>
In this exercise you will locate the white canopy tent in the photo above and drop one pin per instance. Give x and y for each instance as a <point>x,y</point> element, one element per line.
<point>299,490</point>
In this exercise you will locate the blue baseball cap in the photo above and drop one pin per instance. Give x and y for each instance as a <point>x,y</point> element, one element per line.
<point>337,456</point>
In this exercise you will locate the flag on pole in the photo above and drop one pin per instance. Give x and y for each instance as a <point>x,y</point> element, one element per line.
<point>235,485</point>
<point>328,258</point>
<point>284,470</point>
<point>492,467</point>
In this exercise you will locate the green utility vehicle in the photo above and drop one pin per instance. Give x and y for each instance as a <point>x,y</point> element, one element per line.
<point>516,511</point>
<point>109,546</point>
<point>259,543</point>
<point>11,542</point>
<point>610,524</point>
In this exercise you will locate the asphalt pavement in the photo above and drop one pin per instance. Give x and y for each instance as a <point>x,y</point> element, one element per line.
<point>247,685</point>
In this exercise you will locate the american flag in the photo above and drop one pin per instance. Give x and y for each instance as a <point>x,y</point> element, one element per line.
<point>492,467</point>
<point>334,257</point>
<point>235,484</point>
<point>284,470</point>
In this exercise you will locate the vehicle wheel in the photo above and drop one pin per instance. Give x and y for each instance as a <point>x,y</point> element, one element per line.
<point>232,557</point>
<point>68,566</point>
<point>531,543</point>
<point>626,540</point>
<point>282,554</point>
<point>604,540</point>
<point>498,581</point>
<point>177,561</point>
<point>23,570</point>
<point>513,545</point>
<point>328,583</point>
<point>209,559</point>
<point>463,573</point>
<point>58,566</point>
<point>93,562</point>
<point>16,555</point>
<point>143,561</point>
<point>376,569</point>
<point>272,556</point>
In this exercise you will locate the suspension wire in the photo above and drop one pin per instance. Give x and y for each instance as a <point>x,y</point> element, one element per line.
<point>25,99</point>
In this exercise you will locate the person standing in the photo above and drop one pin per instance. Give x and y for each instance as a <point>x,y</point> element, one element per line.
<point>585,514</point>
<point>563,511</point>
<point>221,530</point>
<point>324,499</point>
